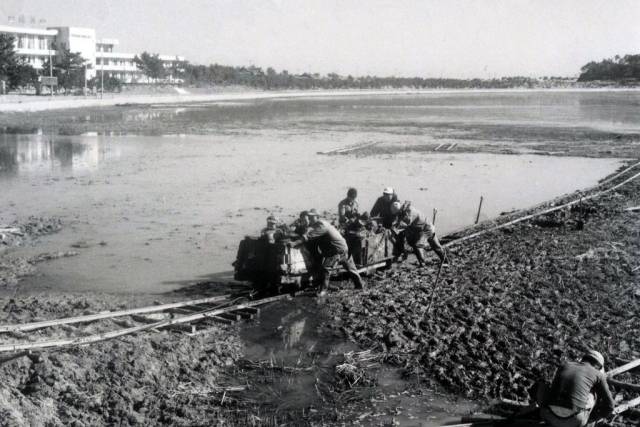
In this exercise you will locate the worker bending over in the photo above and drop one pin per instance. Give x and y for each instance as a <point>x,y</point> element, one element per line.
<point>333,250</point>
<point>577,388</point>
<point>413,225</point>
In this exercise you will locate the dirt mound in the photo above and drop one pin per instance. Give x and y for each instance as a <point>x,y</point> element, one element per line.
<point>514,304</point>
<point>150,379</point>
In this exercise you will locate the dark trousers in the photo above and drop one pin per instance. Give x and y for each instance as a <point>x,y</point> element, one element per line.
<point>413,235</point>
<point>329,262</point>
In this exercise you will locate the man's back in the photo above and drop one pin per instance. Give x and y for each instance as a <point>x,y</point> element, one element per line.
<point>328,237</point>
<point>574,382</point>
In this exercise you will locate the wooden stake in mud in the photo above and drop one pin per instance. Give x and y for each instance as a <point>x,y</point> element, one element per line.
<point>435,212</point>
<point>479,208</point>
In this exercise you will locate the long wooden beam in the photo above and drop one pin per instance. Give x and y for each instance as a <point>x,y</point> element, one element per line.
<point>107,315</point>
<point>90,339</point>
<point>626,405</point>
<point>543,212</point>
<point>624,368</point>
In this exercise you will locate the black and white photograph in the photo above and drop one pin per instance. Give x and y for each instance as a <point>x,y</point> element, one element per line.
<point>411,213</point>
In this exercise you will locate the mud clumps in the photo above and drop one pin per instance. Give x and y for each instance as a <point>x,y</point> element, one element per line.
<point>135,380</point>
<point>513,305</point>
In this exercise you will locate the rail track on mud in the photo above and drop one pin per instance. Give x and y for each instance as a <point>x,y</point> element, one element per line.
<point>198,315</point>
<point>191,317</point>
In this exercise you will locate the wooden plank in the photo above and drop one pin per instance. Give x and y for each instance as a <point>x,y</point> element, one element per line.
<point>626,405</point>
<point>624,368</point>
<point>633,209</point>
<point>144,319</point>
<point>90,339</point>
<point>234,317</point>
<point>246,314</point>
<point>108,314</point>
<point>374,266</point>
<point>183,327</point>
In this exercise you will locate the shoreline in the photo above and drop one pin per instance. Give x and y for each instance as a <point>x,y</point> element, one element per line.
<point>29,103</point>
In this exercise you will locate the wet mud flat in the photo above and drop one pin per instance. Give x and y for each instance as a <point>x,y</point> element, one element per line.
<point>518,139</point>
<point>512,305</point>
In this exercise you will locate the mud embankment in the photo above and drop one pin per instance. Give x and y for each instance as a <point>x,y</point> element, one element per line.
<point>514,303</point>
<point>12,267</point>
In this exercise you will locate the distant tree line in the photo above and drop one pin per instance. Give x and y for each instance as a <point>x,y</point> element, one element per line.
<point>70,70</point>
<point>618,69</point>
<point>268,79</point>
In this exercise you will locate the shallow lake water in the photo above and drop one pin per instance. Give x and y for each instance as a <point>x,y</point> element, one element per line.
<point>154,209</point>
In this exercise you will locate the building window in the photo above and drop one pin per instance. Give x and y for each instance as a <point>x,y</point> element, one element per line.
<point>31,41</point>
<point>41,43</point>
<point>98,61</point>
<point>21,42</point>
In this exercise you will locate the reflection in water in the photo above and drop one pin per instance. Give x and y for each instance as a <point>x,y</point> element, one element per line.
<point>292,329</point>
<point>26,154</point>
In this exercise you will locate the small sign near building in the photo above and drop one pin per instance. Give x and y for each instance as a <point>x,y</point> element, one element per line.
<point>48,81</point>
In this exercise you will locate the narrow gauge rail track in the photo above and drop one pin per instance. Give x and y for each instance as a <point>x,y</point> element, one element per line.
<point>193,316</point>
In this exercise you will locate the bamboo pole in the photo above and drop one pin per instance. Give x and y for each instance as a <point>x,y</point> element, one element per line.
<point>107,315</point>
<point>626,405</point>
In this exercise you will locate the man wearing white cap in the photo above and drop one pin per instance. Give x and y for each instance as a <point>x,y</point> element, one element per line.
<point>577,388</point>
<point>382,207</point>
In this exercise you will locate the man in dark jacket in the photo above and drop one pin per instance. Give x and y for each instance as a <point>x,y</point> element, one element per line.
<point>413,225</point>
<point>577,388</point>
<point>382,207</point>
<point>333,248</point>
<point>348,208</point>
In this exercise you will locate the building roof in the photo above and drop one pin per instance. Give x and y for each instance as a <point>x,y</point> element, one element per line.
<point>26,30</point>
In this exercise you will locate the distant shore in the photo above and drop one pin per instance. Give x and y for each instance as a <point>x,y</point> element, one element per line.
<point>29,103</point>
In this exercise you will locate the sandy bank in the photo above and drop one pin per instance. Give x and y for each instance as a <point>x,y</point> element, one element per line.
<point>12,103</point>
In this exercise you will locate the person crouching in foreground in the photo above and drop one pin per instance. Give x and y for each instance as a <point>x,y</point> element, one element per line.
<point>577,388</point>
<point>334,251</point>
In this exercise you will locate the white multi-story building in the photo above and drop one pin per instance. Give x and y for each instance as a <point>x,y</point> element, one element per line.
<point>36,45</point>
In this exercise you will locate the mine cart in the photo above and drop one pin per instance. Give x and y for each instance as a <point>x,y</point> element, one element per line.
<point>272,264</point>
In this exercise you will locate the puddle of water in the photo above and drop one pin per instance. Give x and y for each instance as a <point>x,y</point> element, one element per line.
<point>289,337</point>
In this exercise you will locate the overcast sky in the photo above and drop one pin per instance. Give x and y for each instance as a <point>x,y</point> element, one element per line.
<point>429,38</point>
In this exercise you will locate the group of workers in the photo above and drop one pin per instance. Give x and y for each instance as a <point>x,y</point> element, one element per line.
<point>331,247</point>
<point>578,393</point>
<point>407,223</point>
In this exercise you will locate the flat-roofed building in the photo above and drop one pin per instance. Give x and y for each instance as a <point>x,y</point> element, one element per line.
<point>35,46</point>
<point>32,44</point>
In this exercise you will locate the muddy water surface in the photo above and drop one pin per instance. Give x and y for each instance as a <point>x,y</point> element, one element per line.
<point>161,209</point>
<point>294,361</point>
